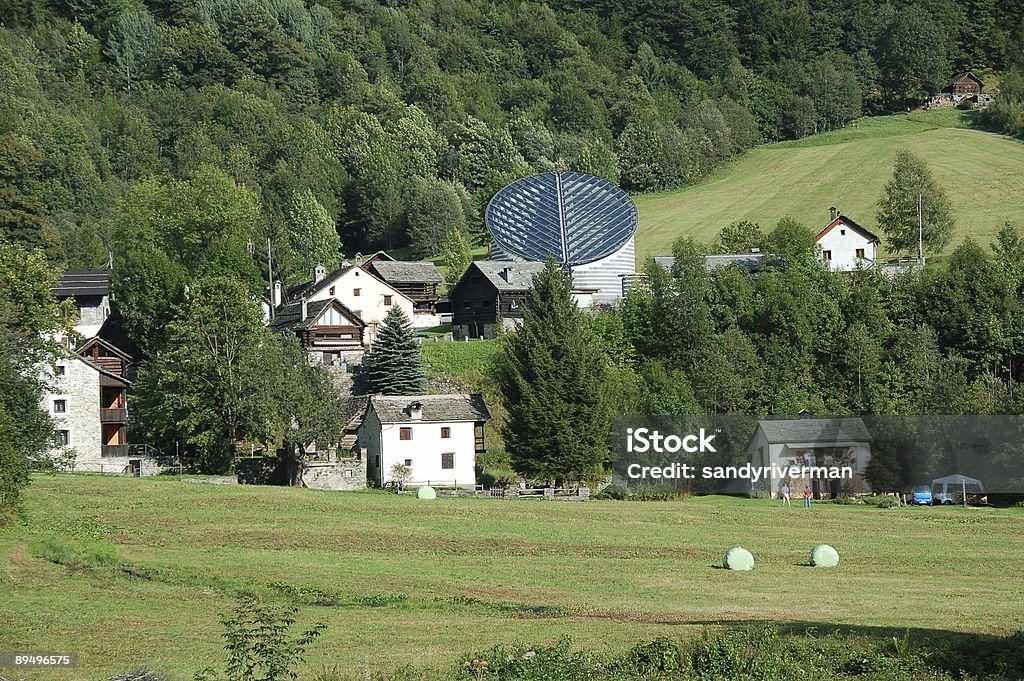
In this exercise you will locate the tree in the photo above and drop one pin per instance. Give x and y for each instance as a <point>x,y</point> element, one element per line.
<point>148,288</point>
<point>551,381</point>
<point>132,46</point>
<point>912,54</point>
<point>456,255</point>
<point>435,210</point>
<point>741,237</point>
<point>312,234</point>
<point>212,387</point>
<point>394,365</point>
<point>914,205</point>
<point>31,321</point>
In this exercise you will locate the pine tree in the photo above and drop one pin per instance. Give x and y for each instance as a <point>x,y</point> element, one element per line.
<point>394,365</point>
<point>552,383</point>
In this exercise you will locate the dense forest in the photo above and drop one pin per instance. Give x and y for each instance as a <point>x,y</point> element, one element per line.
<point>178,137</point>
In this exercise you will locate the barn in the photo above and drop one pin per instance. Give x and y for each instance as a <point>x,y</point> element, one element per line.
<point>965,84</point>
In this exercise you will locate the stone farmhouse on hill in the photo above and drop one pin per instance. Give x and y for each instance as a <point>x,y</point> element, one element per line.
<point>811,442</point>
<point>438,437</point>
<point>845,245</point>
<point>331,333</point>
<point>965,84</point>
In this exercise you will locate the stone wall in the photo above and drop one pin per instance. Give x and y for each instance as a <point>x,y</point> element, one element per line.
<point>261,470</point>
<point>345,474</point>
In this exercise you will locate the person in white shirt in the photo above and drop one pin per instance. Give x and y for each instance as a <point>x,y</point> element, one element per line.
<point>784,493</point>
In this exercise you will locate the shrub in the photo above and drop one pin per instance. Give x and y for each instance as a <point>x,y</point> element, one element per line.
<point>887,502</point>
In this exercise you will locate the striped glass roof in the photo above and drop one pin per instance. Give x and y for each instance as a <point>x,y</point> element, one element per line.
<point>574,217</point>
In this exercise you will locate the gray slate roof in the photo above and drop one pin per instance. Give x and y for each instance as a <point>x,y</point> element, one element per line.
<point>436,408</point>
<point>311,287</point>
<point>749,261</point>
<point>83,283</point>
<point>812,432</point>
<point>287,316</point>
<point>519,274</point>
<point>395,272</point>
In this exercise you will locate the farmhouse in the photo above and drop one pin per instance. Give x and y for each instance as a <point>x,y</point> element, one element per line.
<point>490,294</point>
<point>368,297</point>
<point>845,245</point>
<point>807,443</point>
<point>964,85</point>
<point>90,290</point>
<point>418,281</point>
<point>437,437</point>
<point>331,333</point>
<point>89,406</point>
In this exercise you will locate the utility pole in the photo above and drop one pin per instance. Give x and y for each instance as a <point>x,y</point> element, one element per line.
<point>920,232</point>
<point>270,279</point>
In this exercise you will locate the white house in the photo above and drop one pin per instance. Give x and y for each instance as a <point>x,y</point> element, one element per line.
<point>436,436</point>
<point>364,294</point>
<point>811,442</point>
<point>845,245</point>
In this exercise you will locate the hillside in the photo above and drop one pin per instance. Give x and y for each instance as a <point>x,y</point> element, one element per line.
<point>981,173</point>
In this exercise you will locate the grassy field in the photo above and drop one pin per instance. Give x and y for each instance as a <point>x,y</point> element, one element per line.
<point>982,174</point>
<point>136,572</point>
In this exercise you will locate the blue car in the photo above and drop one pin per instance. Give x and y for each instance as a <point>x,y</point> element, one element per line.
<point>921,496</point>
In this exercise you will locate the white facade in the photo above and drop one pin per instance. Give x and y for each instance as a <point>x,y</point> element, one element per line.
<point>367,296</point>
<point>603,276</point>
<point>436,452</point>
<point>845,246</point>
<point>765,453</point>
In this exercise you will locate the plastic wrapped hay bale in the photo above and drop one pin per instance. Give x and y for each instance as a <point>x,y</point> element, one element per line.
<point>824,555</point>
<point>426,493</point>
<point>738,558</point>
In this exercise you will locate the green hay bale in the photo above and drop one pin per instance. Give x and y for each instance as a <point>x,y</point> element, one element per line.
<point>738,558</point>
<point>824,555</point>
<point>426,493</point>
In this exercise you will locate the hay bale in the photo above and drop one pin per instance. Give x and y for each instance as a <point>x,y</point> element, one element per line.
<point>824,555</point>
<point>738,558</point>
<point>426,493</point>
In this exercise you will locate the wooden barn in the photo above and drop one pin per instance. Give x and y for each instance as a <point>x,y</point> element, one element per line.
<point>965,84</point>
<point>490,294</point>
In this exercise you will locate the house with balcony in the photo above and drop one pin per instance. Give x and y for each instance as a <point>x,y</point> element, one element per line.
<point>435,439</point>
<point>331,333</point>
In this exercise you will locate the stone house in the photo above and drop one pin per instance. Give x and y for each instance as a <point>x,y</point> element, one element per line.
<point>438,437</point>
<point>90,290</point>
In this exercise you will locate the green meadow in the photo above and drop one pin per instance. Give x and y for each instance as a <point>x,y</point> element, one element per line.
<point>136,572</point>
<point>982,173</point>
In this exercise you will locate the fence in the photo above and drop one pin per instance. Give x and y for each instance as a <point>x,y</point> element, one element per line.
<point>451,488</point>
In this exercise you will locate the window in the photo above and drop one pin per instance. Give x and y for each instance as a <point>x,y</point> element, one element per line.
<point>387,301</point>
<point>826,255</point>
<point>842,232</point>
<point>448,461</point>
<point>860,252</point>
<point>357,291</point>
<point>446,432</point>
<point>405,433</point>
<point>408,462</point>
<point>61,370</point>
<point>60,406</point>
<point>63,438</point>
<point>332,290</point>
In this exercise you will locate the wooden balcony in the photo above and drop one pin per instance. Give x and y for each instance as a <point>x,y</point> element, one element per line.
<point>110,451</point>
<point>114,415</point>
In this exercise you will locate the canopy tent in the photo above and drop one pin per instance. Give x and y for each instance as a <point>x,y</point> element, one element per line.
<point>959,483</point>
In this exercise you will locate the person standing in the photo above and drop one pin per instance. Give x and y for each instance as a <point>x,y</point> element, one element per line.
<point>784,493</point>
<point>807,497</point>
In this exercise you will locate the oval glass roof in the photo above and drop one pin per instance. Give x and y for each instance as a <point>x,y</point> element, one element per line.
<point>574,217</point>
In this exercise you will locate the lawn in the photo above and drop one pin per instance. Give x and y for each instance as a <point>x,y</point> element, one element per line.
<point>399,580</point>
<point>981,172</point>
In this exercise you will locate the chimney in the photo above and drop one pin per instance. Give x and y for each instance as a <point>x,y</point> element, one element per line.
<point>833,213</point>
<point>275,298</point>
<point>303,310</point>
<point>505,272</point>
<point>416,411</point>
<point>319,273</point>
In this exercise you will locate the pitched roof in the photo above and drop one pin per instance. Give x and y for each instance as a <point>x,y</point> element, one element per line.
<point>101,370</point>
<point>849,222</point>
<point>748,261</point>
<point>313,287</point>
<point>966,74</point>
<point>509,275</point>
<point>395,272</point>
<point>96,340</point>
<point>436,408</point>
<point>83,283</point>
<point>816,432</point>
<point>288,316</point>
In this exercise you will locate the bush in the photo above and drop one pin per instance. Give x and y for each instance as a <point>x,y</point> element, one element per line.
<point>887,502</point>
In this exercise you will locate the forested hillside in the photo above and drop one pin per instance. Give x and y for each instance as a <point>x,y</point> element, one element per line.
<point>182,135</point>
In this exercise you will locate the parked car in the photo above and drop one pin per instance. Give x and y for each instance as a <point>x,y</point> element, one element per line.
<point>921,496</point>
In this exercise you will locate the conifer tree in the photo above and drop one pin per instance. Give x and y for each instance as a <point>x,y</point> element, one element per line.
<point>552,383</point>
<point>394,365</point>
